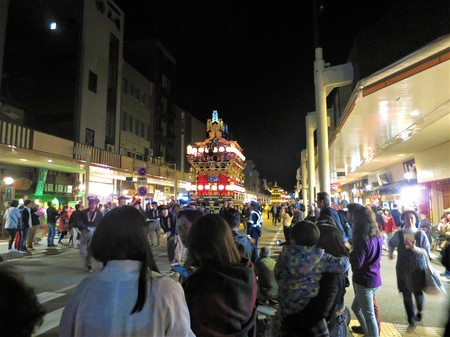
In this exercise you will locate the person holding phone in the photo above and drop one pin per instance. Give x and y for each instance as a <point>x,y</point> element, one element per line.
<point>411,264</point>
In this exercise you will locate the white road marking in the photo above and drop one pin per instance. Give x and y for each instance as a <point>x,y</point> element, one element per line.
<point>51,321</point>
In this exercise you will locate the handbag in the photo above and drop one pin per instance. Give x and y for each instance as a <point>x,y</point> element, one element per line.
<point>433,284</point>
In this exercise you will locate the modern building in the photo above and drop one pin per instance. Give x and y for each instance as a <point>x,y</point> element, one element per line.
<point>389,139</point>
<point>72,107</point>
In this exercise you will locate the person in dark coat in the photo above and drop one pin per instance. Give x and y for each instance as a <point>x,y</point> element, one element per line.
<point>324,204</point>
<point>233,218</point>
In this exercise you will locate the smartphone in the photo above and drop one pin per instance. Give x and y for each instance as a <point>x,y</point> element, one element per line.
<point>180,269</point>
<point>409,236</point>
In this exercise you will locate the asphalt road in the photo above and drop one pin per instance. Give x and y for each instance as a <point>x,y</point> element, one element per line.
<point>54,274</point>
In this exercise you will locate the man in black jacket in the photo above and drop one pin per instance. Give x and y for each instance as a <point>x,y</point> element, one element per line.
<point>25,225</point>
<point>233,218</point>
<point>323,202</point>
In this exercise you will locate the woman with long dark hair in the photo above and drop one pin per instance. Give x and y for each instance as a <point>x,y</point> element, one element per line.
<point>128,296</point>
<point>221,289</point>
<point>365,257</point>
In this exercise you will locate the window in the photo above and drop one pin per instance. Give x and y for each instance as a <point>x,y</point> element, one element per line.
<point>89,137</point>
<point>123,122</point>
<point>129,124</point>
<point>136,126</point>
<point>125,86</point>
<point>137,93</point>
<point>92,84</point>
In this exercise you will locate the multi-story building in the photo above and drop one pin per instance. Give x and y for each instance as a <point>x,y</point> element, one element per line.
<point>69,97</point>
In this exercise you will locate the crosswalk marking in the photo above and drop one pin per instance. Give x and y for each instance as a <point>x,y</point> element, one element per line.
<point>51,321</point>
<point>47,296</point>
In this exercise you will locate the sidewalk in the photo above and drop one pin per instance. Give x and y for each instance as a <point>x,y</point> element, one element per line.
<point>39,249</point>
<point>398,330</point>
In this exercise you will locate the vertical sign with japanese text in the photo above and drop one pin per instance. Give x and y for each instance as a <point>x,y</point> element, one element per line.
<point>42,177</point>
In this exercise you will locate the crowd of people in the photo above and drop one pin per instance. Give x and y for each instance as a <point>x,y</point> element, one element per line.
<point>226,274</point>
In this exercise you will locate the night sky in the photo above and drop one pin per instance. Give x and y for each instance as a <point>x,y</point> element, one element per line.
<point>253,62</point>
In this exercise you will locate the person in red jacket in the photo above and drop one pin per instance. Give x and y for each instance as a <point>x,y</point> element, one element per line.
<point>389,226</point>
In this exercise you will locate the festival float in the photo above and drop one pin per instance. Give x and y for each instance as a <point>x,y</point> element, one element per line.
<point>217,165</point>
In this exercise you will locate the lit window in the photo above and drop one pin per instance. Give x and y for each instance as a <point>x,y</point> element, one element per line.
<point>53,25</point>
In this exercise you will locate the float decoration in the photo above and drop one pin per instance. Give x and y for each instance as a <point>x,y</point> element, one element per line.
<point>217,164</point>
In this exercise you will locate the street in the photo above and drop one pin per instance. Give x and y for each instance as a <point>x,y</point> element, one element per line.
<point>54,275</point>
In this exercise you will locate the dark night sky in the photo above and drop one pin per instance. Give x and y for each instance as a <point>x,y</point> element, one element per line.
<point>253,62</point>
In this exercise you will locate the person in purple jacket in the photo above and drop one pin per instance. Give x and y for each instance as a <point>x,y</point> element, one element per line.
<point>365,257</point>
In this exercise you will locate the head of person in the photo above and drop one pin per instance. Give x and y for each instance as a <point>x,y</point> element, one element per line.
<point>331,240</point>
<point>410,219</point>
<point>77,207</point>
<point>120,235</point>
<point>27,203</point>
<point>343,204</point>
<point>164,209</point>
<point>323,199</point>
<point>186,217</point>
<point>305,233</point>
<point>154,205</point>
<point>254,205</point>
<point>20,308</point>
<point>15,203</point>
<point>363,220</point>
<point>122,200</point>
<point>232,217</point>
<point>264,252</point>
<point>387,212</point>
<point>211,241</point>
<point>93,202</point>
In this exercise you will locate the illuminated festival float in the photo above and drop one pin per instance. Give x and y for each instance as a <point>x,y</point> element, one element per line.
<point>217,165</point>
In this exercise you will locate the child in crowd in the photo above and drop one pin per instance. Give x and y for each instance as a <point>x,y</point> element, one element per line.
<point>300,266</point>
<point>264,269</point>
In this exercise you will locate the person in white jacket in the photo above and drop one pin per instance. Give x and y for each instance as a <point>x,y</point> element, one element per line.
<point>11,221</point>
<point>128,296</point>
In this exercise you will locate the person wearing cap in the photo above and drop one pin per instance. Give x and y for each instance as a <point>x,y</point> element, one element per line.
<point>90,218</point>
<point>254,224</point>
<point>168,222</point>
<point>153,223</point>
<point>122,200</point>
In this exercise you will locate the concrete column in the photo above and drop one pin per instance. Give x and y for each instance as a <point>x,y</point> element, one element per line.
<point>311,124</point>
<point>322,123</point>
<point>305,184</point>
